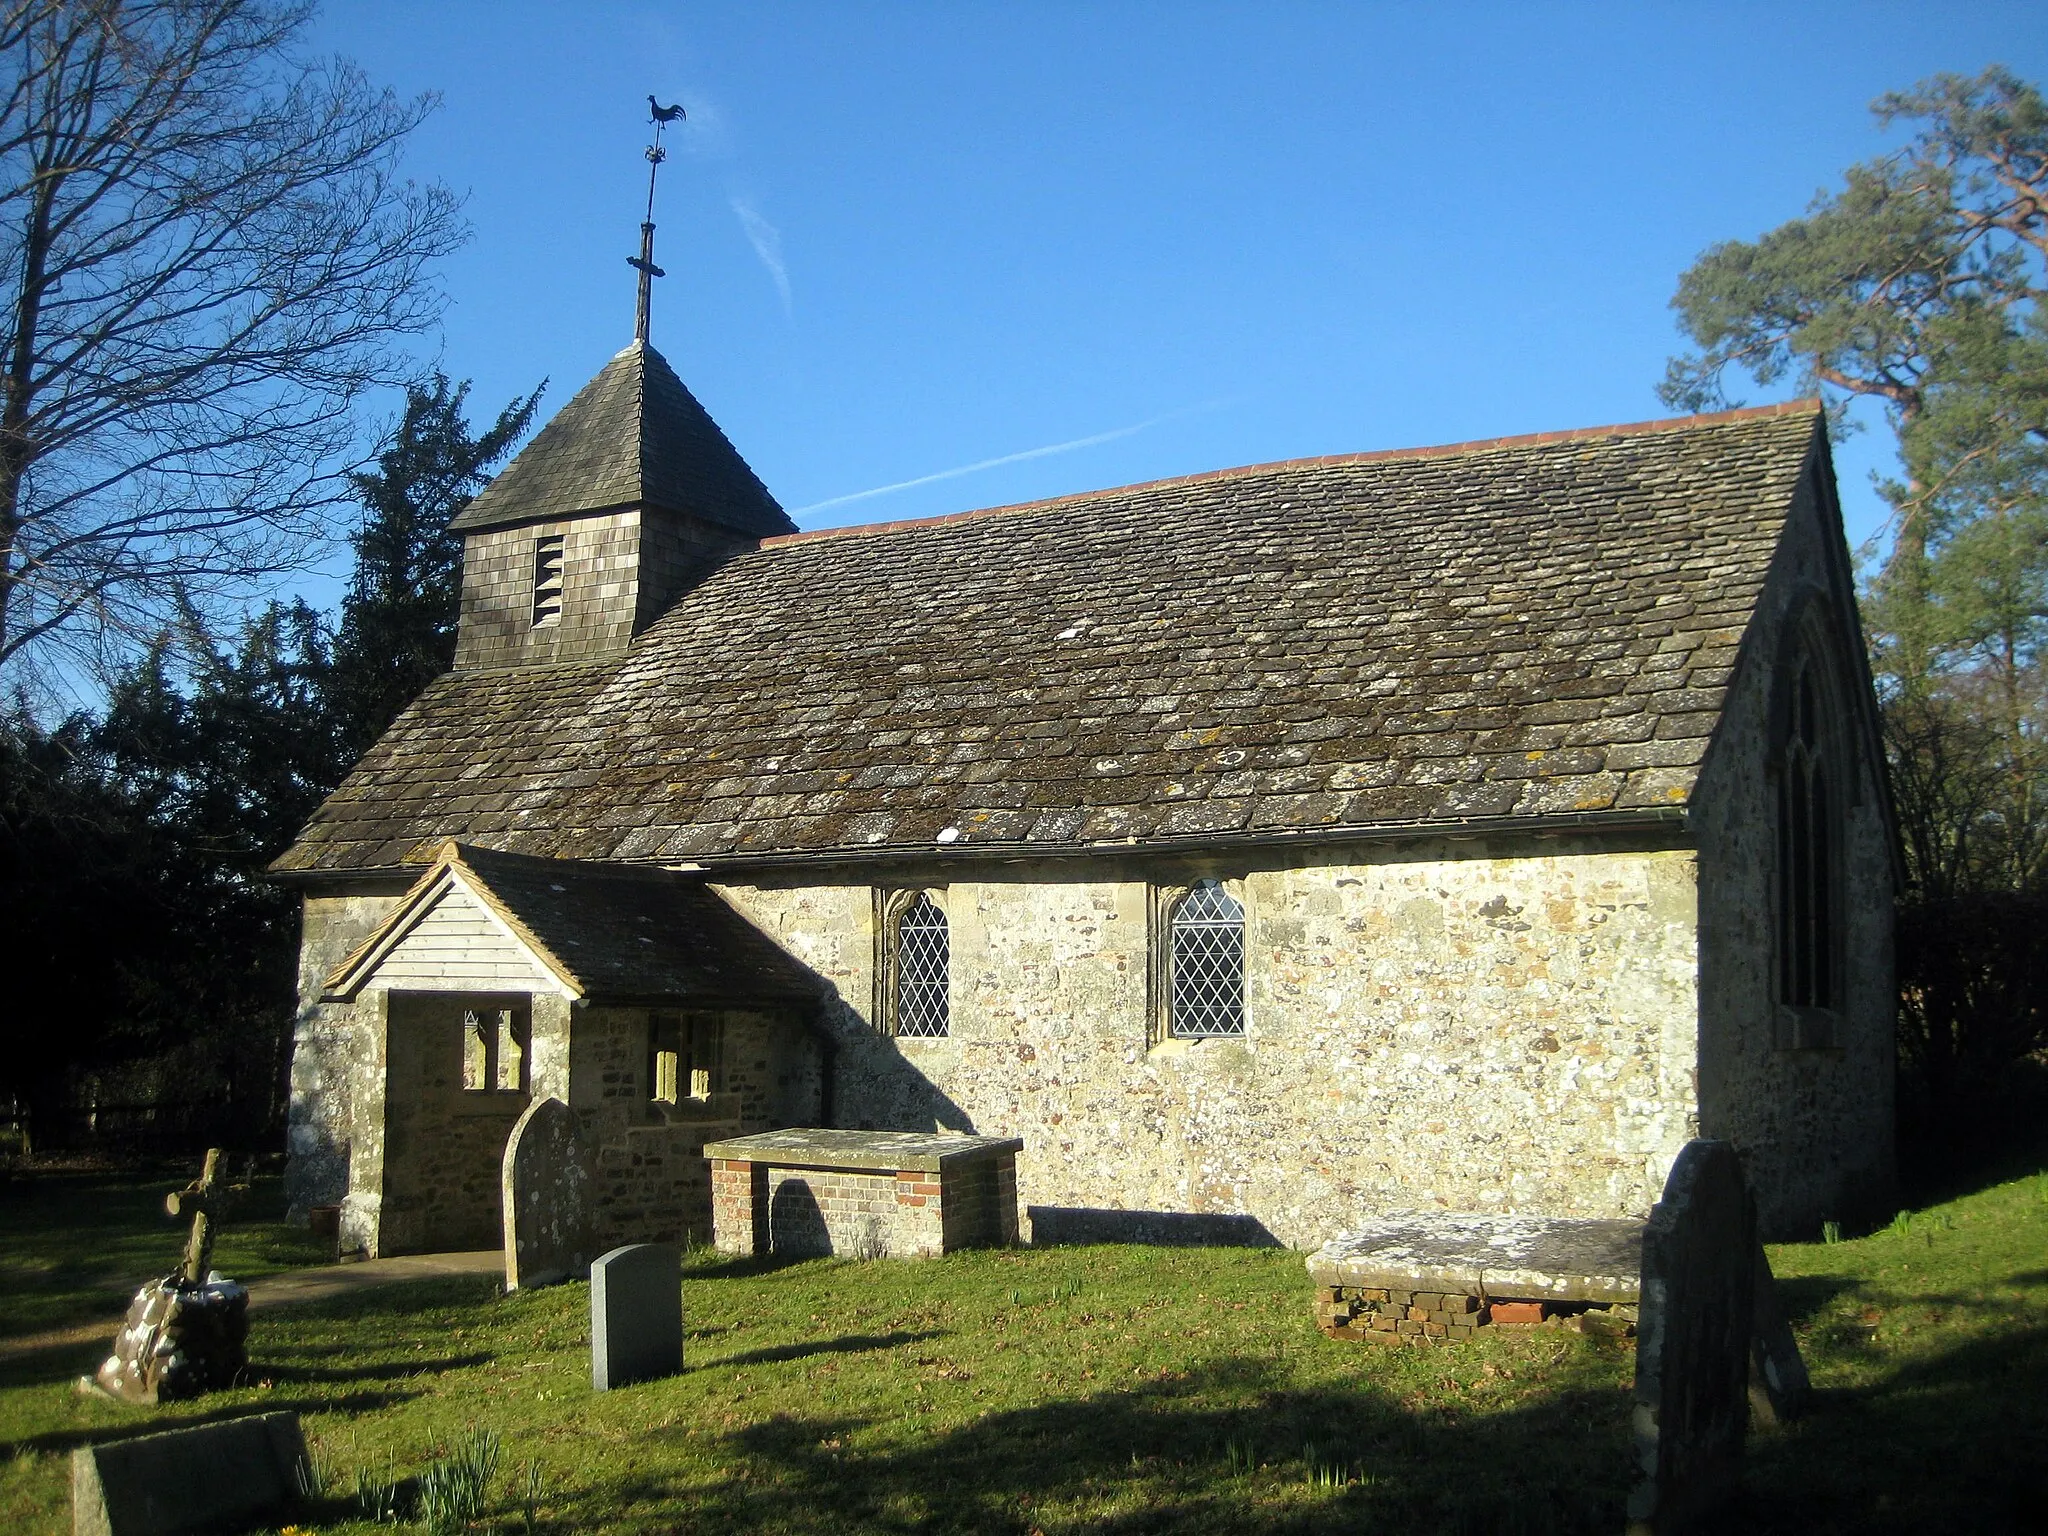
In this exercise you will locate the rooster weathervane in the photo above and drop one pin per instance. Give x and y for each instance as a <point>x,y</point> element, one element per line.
<point>661,117</point>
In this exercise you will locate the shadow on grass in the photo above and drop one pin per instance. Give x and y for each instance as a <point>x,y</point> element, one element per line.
<point>725,1268</point>
<point>1167,1456</point>
<point>1952,1443</point>
<point>850,1344</point>
<point>396,1370</point>
<point>154,1421</point>
<point>1805,1296</point>
<point>56,1362</point>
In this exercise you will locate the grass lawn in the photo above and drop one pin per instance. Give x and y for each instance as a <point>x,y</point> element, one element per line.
<point>75,1247</point>
<point>1119,1388</point>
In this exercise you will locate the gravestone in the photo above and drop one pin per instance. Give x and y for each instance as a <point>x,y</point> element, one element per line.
<point>1778,1383</point>
<point>226,1473</point>
<point>1699,1286</point>
<point>636,1315</point>
<point>187,1333</point>
<point>550,1178</point>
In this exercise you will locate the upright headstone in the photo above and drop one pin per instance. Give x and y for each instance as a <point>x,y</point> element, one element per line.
<point>1693,1344</point>
<point>636,1315</point>
<point>1778,1383</point>
<point>198,1479</point>
<point>549,1180</point>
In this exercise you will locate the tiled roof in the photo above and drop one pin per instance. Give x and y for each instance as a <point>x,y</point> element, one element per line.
<point>604,930</point>
<point>1523,628</point>
<point>632,435</point>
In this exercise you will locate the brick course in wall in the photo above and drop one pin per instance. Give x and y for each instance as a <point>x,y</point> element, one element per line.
<point>1389,1315</point>
<point>798,1209</point>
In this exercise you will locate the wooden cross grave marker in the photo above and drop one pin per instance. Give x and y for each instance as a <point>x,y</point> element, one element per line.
<point>206,1200</point>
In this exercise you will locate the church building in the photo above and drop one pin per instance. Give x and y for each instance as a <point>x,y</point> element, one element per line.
<point>1462,828</point>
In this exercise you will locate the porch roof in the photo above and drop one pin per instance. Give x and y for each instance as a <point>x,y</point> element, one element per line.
<point>604,932</point>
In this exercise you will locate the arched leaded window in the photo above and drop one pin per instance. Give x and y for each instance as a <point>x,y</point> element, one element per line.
<point>1206,968</point>
<point>1807,839</point>
<point>922,970</point>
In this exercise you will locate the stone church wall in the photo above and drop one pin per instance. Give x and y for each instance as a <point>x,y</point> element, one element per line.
<point>1475,1026</point>
<point>337,1060</point>
<point>654,1184</point>
<point>1814,1123</point>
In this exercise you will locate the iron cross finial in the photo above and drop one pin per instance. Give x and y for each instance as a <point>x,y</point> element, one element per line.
<point>661,117</point>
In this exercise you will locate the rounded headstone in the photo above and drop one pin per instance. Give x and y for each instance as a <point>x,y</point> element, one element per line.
<point>1693,1343</point>
<point>550,1180</point>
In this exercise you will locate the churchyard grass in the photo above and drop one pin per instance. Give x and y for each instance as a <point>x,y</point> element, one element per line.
<point>1124,1389</point>
<point>75,1246</point>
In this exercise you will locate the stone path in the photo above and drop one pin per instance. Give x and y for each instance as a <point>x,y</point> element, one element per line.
<point>290,1288</point>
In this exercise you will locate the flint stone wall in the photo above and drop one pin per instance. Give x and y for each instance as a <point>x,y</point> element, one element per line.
<point>1495,1026</point>
<point>1812,1121</point>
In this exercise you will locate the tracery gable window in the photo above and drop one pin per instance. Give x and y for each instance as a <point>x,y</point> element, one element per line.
<point>1202,960</point>
<point>1808,895</point>
<point>915,967</point>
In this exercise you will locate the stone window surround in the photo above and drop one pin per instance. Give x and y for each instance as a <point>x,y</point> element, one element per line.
<point>695,1045</point>
<point>516,1011</point>
<point>1810,650</point>
<point>1161,899</point>
<point>891,902</point>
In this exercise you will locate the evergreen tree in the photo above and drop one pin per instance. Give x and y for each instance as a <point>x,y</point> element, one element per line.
<point>1921,284</point>
<point>153,952</point>
<point>397,630</point>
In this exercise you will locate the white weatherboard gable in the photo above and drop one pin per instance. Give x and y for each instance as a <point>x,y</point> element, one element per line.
<point>457,943</point>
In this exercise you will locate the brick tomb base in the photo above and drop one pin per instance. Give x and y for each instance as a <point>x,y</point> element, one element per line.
<point>1445,1277</point>
<point>862,1194</point>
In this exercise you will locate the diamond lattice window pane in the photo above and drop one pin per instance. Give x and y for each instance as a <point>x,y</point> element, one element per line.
<point>1208,964</point>
<point>923,958</point>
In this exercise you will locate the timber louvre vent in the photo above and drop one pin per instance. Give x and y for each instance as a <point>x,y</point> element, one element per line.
<point>547,579</point>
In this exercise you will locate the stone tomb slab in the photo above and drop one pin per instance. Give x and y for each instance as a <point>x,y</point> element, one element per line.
<point>1445,1276</point>
<point>863,1194</point>
<point>227,1473</point>
<point>1527,1258</point>
<point>549,1180</point>
<point>636,1315</point>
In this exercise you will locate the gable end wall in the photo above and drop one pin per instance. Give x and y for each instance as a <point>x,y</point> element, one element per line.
<point>1814,1126</point>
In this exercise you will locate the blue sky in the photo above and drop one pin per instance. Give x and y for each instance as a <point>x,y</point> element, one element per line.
<point>907,238</point>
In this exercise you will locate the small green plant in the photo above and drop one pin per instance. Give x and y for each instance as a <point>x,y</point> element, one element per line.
<point>1068,1288</point>
<point>1238,1458</point>
<point>312,1476</point>
<point>1831,1232</point>
<point>1016,1297</point>
<point>456,1485</point>
<point>377,1497</point>
<point>1326,1471</point>
<point>1901,1224</point>
<point>530,1497</point>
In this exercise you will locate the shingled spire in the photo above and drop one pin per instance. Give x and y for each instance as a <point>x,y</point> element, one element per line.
<point>633,436</point>
<point>619,505</point>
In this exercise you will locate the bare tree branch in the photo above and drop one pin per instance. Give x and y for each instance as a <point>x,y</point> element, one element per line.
<point>210,256</point>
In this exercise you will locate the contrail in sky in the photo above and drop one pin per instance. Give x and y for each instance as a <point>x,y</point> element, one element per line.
<point>767,242</point>
<point>1009,458</point>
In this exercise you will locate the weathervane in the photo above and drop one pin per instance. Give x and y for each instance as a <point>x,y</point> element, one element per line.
<point>661,117</point>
